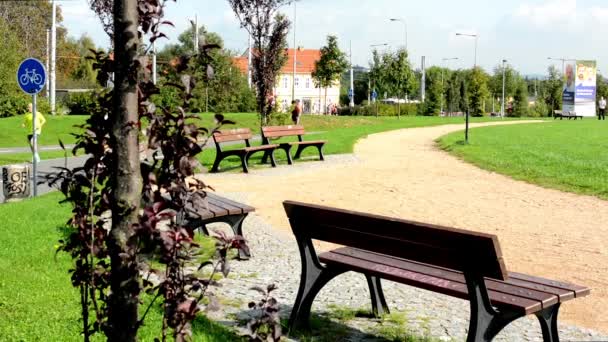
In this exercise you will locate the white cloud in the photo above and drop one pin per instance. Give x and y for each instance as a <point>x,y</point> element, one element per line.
<point>549,13</point>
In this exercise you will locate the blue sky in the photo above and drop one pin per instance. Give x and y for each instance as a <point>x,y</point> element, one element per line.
<point>525,32</point>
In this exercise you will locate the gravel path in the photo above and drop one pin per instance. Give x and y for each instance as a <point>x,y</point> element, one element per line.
<point>403,174</point>
<point>276,260</point>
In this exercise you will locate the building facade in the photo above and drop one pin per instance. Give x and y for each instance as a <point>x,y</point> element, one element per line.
<point>298,84</point>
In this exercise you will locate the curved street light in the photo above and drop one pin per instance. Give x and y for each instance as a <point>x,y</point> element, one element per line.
<point>404,28</point>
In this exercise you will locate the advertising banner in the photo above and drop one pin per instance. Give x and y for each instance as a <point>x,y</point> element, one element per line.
<point>569,90</point>
<point>585,95</point>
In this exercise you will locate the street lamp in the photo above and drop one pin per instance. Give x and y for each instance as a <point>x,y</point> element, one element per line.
<point>502,103</point>
<point>404,28</point>
<point>442,90</point>
<point>473,36</point>
<point>466,130</point>
<point>295,51</point>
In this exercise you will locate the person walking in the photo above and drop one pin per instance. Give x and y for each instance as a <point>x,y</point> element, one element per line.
<point>296,112</point>
<point>28,122</point>
<point>602,105</point>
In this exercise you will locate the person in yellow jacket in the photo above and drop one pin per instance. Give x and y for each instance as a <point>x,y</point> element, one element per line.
<point>28,122</point>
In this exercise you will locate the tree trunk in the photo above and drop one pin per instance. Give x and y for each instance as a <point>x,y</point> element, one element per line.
<point>325,104</point>
<point>127,182</point>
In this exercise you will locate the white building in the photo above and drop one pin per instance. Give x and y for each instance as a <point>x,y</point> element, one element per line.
<point>302,86</point>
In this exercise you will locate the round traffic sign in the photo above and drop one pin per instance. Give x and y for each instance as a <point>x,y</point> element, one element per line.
<point>31,76</point>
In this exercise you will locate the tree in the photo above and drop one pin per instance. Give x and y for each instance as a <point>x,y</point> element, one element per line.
<point>478,91</point>
<point>602,87</point>
<point>520,100</point>
<point>512,78</point>
<point>329,68</point>
<point>434,91</point>
<point>393,74</point>
<point>552,88</point>
<point>268,31</point>
<point>12,100</point>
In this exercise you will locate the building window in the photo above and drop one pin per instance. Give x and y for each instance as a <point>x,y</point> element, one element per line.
<point>297,82</point>
<point>285,82</point>
<point>308,83</point>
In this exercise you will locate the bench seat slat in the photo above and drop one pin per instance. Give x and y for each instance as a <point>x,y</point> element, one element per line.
<point>311,142</point>
<point>244,207</point>
<point>277,134</point>
<point>579,291</point>
<point>436,284</point>
<point>546,298</point>
<point>230,209</point>
<point>261,147</point>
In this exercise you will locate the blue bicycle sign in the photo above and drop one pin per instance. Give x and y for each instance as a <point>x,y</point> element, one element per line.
<point>31,76</point>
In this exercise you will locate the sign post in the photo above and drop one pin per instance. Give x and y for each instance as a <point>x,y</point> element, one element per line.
<point>31,77</point>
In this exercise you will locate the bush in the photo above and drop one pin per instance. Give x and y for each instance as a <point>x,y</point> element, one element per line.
<point>13,105</point>
<point>82,103</point>
<point>539,109</point>
<point>384,109</point>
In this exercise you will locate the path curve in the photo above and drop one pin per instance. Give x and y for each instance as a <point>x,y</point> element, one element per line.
<point>403,174</point>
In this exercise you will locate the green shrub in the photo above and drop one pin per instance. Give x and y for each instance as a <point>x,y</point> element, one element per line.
<point>82,103</point>
<point>13,105</point>
<point>539,109</point>
<point>383,109</point>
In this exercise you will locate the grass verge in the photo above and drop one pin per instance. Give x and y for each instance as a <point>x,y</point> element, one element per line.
<point>565,155</point>
<point>37,300</point>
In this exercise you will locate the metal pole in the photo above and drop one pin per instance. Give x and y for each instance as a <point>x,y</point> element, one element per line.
<point>442,90</point>
<point>195,33</point>
<point>249,55</point>
<point>53,56</point>
<point>476,37</point>
<point>35,147</point>
<point>295,52</point>
<point>48,57</point>
<point>154,63</point>
<point>502,103</point>
<point>352,82</point>
<point>405,28</point>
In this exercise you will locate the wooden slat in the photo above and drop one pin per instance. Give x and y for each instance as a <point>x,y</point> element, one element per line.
<point>244,207</point>
<point>546,299</point>
<point>231,209</point>
<point>562,294</point>
<point>262,147</point>
<point>579,291</point>
<point>435,284</point>
<point>311,142</point>
<point>430,244</point>
<point>278,134</point>
<point>282,128</point>
<point>232,135</point>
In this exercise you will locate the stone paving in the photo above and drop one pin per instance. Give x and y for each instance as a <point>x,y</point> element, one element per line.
<point>276,260</point>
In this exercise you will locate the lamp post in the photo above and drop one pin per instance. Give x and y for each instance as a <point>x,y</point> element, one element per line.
<point>295,51</point>
<point>560,59</point>
<point>502,103</point>
<point>404,28</point>
<point>466,130</point>
<point>443,60</point>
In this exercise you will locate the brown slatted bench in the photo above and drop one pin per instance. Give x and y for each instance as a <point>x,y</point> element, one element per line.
<point>449,261</point>
<point>276,132</point>
<point>240,134</point>
<point>561,115</point>
<point>220,209</point>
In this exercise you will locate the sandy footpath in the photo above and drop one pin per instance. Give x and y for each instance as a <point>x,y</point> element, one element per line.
<point>403,174</point>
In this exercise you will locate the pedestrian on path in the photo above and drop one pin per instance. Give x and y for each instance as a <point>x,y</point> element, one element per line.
<point>28,122</point>
<point>296,112</point>
<point>602,115</point>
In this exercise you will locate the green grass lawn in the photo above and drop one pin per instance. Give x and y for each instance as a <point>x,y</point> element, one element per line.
<point>566,155</point>
<point>37,300</point>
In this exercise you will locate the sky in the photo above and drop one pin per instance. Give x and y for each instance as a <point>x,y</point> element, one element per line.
<point>525,32</point>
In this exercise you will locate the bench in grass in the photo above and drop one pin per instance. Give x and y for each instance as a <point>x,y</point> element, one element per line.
<point>276,132</point>
<point>240,134</point>
<point>449,261</point>
<point>569,115</point>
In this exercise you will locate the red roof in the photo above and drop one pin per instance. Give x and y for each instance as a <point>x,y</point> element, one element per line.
<point>305,61</point>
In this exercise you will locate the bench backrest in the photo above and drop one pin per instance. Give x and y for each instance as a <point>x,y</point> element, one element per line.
<point>282,131</point>
<point>430,244</point>
<point>238,134</point>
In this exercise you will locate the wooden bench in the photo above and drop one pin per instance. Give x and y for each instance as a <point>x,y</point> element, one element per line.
<point>241,134</point>
<point>449,261</point>
<point>219,209</point>
<point>276,132</point>
<point>570,115</point>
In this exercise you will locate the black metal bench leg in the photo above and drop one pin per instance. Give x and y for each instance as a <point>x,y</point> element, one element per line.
<point>321,157</point>
<point>265,157</point>
<point>379,306</point>
<point>548,323</point>
<point>216,163</point>
<point>310,285</point>
<point>287,150</point>
<point>273,161</point>
<point>244,158</point>
<point>236,223</point>
<point>485,322</point>
<point>298,152</point>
